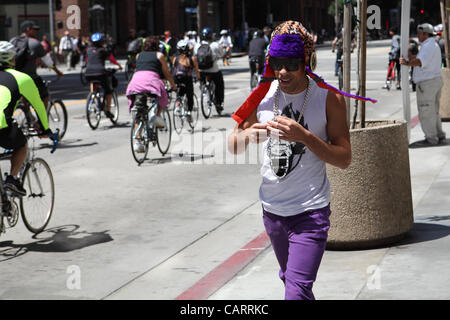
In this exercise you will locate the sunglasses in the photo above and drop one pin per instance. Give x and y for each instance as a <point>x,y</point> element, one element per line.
<point>289,64</point>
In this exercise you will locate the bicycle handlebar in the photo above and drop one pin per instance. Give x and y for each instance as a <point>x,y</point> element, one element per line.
<point>53,136</point>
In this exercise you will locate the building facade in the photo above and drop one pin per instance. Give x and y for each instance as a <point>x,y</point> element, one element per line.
<point>117,17</point>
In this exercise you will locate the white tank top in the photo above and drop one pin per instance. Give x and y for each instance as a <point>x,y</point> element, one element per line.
<point>306,187</point>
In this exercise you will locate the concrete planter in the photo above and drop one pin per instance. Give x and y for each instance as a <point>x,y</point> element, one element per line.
<point>371,201</point>
<point>444,110</point>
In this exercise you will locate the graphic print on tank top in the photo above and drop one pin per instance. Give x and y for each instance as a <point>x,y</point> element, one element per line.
<point>298,148</point>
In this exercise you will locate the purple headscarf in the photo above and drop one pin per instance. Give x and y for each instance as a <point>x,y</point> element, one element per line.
<point>287,46</point>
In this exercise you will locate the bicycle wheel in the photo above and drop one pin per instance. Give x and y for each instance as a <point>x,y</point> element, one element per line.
<point>139,138</point>
<point>194,114</point>
<point>164,135</point>
<point>83,76</point>
<point>93,107</point>
<point>178,115</point>
<point>57,117</point>
<point>204,101</point>
<point>253,81</point>
<point>114,108</point>
<point>37,206</point>
<point>212,97</point>
<point>341,78</point>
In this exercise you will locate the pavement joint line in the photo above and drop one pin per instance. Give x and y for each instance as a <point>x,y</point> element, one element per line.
<point>177,252</point>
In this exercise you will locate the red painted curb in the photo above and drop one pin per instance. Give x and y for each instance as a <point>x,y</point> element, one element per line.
<point>220,275</point>
<point>414,121</point>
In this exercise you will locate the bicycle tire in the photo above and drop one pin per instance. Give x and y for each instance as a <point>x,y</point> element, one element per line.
<point>253,81</point>
<point>206,107</point>
<point>164,135</point>
<point>340,78</point>
<point>139,134</point>
<point>194,114</point>
<point>114,108</point>
<point>57,116</point>
<point>178,115</point>
<point>83,79</point>
<point>36,172</point>
<point>93,113</point>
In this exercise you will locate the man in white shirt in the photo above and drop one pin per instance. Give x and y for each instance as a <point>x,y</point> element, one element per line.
<point>428,79</point>
<point>66,48</point>
<point>214,71</point>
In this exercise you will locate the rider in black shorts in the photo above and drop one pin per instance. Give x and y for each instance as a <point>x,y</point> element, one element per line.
<point>14,85</point>
<point>95,69</point>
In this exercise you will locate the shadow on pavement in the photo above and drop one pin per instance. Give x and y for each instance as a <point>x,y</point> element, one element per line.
<point>65,238</point>
<point>423,232</point>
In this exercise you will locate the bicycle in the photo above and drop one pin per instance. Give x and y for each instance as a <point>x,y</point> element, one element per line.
<point>256,76</point>
<point>340,73</point>
<point>144,131</point>
<point>56,114</point>
<point>391,75</point>
<point>36,207</point>
<point>95,103</point>
<point>208,96</point>
<point>180,111</point>
<point>83,79</point>
<point>130,67</point>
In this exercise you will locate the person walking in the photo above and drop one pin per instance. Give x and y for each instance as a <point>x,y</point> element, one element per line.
<point>66,48</point>
<point>302,122</point>
<point>428,80</point>
<point>394,56</point>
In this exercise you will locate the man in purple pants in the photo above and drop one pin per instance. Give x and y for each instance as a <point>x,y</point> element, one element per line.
<point>302,126</point>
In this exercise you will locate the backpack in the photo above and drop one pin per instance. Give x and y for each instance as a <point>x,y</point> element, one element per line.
<point>205,57</point>
<point>23,52</point>
<point>180,70</point>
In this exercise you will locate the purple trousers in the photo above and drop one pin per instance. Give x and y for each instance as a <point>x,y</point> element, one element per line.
<point>299,243</point>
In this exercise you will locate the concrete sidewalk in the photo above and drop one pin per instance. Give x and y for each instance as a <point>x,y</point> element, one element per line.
<point>415,268</point>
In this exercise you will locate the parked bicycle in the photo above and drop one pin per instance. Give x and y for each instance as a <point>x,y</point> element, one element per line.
<point>180,111</point>
<point>208,96</point>
<point>36,207</point>
<point>144,131</point>
<point>56,113</point>
<point>96,101</point>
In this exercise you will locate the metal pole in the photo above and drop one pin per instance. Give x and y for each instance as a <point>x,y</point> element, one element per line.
<point>404,32</point>
<point>347,51</point>
<point>362,40</point>
<point>51,20</point>
<point>445,30</point>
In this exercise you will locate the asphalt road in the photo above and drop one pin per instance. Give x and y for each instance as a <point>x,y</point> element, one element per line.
<point>115,222</point>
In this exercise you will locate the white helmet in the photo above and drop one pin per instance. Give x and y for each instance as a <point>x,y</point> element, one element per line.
<point>7,51</point>
<point>223,32</point>
<point>183,45</point>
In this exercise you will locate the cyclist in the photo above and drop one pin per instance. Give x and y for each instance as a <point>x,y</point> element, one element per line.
<point>211,71</point>
<point>183,66</point>
<point>31,57</point>
<point>95,69</point>
<point>256,52</point>
<point>151,68</point>
<point>338,42</point>
<point>226,44</point>
<point>394,56</point>
<point>14,85</point>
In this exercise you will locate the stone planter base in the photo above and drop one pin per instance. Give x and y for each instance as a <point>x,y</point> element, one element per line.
<point>371,201</point>
<point>444,110</point>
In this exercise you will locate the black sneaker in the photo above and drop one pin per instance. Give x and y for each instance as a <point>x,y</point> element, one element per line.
<point>109,114</point>
<point>13,184</point>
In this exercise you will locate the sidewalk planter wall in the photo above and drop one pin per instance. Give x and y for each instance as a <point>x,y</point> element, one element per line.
<point>445,96</point>
<point>371,201</point>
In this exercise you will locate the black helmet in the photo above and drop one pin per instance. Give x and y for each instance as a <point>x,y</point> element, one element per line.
<point>207,33</point>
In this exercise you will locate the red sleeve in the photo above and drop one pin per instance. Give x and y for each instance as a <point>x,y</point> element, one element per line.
<point>112,59</point>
